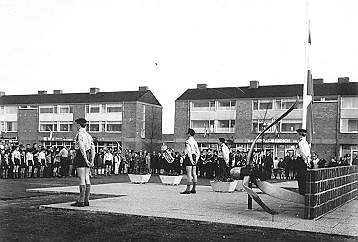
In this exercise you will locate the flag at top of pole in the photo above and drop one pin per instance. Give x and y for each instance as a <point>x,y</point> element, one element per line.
<point>307,119</point>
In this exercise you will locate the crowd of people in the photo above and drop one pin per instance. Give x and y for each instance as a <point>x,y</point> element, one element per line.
<point>27,161</point>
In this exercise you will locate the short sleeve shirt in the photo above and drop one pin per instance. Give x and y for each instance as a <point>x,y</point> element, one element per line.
<point>84,138</point>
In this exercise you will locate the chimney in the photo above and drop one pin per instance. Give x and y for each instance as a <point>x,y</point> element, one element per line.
<point>143,88</point>
<point>317,81</point>
<point>343,79</point>
<point>201,86</point>
<point>57,91</point>
<point>254,84</point>
<point>94,90</point>
<point>2,93</point>
<point>41,92</point>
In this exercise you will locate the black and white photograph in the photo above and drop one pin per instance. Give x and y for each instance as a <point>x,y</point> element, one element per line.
<point>178,120</point>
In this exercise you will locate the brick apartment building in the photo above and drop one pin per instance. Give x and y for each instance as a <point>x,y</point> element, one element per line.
<point>131,118</point>
<point>239,113</point>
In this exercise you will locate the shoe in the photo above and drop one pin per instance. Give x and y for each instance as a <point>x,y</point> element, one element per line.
<point>185,192</point>
<point>192,191</point>
<point>86,204</point>
<point>78,204</point>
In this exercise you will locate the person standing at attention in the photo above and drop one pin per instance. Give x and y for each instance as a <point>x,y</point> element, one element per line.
<point>192,155</point>
<point>85,153</point>
<point>302,160</point>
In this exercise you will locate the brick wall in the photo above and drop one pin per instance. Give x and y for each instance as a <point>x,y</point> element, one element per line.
<point>329,188</point>
<point>181,123</point>
<point>27,124</point>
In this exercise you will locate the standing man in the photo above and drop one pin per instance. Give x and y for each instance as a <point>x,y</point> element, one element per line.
<point>192,154</point>
<point>85,153</point>
<point>224,158</point>
<point>303,160</point>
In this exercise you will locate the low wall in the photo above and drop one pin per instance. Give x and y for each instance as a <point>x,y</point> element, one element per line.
<point>329,188</point>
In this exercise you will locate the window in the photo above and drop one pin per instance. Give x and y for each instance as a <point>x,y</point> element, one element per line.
<point>11,109</point>
<point>114,127</point>
<point>290,126</point>
<point>262,104</point>
<point>65,109</point>
<point>226,105</point>
<point>10,126</point>
<point>48,126</point>
<point>349,125</point>
<point>65,126</point>
<point>203,105</point>
<point>93,127</point>
<point>350,102</point>
<point>48,109</point>
<point>286,104</point>
<point>93,108</point>
<point>225,126</point>
<point>114,108</point>
<point>260,125</point>
<point>203,126</point>
<point>28,107</point>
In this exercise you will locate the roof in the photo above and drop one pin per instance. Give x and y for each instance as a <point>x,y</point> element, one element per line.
<point>100,97</point>
<point>325,89</point>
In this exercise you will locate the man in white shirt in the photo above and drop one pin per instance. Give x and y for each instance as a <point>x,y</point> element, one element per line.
<point>303,160</point>
<point>85,153</point>
<point>192,154</point>
<point>223,158</point>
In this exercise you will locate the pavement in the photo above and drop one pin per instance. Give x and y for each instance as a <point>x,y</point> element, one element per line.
<point>157,200</point>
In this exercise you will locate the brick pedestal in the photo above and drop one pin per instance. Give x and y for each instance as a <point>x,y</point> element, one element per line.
<point>329,188</point>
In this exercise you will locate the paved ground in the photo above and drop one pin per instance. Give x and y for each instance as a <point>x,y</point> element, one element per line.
<point>156,200</point>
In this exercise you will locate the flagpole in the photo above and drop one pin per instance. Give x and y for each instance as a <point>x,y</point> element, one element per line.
<point>306,68</point>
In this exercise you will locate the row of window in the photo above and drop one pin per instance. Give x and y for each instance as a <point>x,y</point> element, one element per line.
<point>213,105</point>
<point>100,126</point>
<point>8,126</point>
<point>228,126</point>
<point>90,108</point>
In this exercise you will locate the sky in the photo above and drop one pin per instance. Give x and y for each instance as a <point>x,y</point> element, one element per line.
<point>171,45</point>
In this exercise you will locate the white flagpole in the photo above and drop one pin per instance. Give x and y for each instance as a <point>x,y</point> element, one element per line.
<point>306,101</point>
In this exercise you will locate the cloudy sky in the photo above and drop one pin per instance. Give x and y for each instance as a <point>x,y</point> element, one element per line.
<point>115,44</point>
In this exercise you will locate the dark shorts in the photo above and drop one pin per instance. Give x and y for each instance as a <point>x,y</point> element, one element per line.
<point>187,161</point>
<point>79,160</point>
<point>108,163</point>
<point>17,161</point>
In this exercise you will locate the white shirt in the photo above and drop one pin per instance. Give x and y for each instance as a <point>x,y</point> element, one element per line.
<point>84,138</point>
<point>191,147</point>
<point>29,156</point>
<point>16,154</point>
<point>275,163</point>
<point>225,152</point>
<point>42,156</point>
<point>108,156</point>
<point>304,149</point>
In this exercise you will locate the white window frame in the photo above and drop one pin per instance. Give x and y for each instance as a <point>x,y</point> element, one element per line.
<point>259,101</point>
<point>69,124</point>
<point>89,106</point>
<point>113,122</point>
<point>344,121</point>
<point>48,122</point>
<point>268,122</point>
<point>211,107</point>
<point>119,105</point>
<point>230,107</point>
<point>4,126</point>
<point>345,98</point>
<point>48,106</point>
<point>64,106</point>
<point>229,129</point>
<point>94,123</point>
<point>289,121</point>
<point>291,101</point>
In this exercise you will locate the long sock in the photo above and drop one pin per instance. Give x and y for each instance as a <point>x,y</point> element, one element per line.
<point>188,186</point>
<point>82,193</point>
<point>194,186</point>
<point>87,192</point>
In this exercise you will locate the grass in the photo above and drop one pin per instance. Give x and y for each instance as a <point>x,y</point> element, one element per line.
<point>23,220</point>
